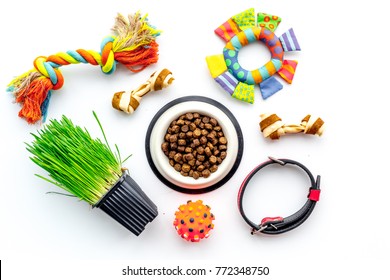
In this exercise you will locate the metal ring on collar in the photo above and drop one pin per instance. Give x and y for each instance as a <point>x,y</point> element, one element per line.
<point>277,225</point>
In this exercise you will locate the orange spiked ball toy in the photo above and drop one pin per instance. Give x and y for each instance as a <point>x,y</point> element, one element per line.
<point>194,221</point>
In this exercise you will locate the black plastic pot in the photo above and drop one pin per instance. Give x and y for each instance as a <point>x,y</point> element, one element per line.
<point>128,205</point>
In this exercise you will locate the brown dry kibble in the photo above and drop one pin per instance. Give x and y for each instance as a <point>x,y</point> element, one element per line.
<point>197,122</point>
<point>177,167</point>
<point>210,136</point>
<point>175,129</point>
<point>192,126</point>
<point>196,142</point>
<point>195,145</point>
<point>189,116</point>
<point>178,157</point>
<point>185,128</point>
<point>213,168</point>
<point>180,149</point>
<point>189,134</point>
<point>171,154</point>
<point>182,135</point>
<point>197,133</point>
<point>200,158</point>
<point>165,146</point>
<point>208,126</point>
<point>205,119</point>
<point>222,140</point>
<point>213,122</point>
<point>200,150</point>
<point>195,175</point>
<point>200,168</point>
<point>173,138</point>
<point>208,151</point>
<point>188,157</point>
<point>213,159</point>
<point>206,173</point>
<point>186,168</point>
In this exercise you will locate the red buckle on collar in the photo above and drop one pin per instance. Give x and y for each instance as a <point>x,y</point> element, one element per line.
<point>267,221</point>
<point>314,195</point>
<point>271,220</point>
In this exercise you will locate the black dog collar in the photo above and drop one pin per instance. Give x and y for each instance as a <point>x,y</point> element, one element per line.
<point>277,225</point>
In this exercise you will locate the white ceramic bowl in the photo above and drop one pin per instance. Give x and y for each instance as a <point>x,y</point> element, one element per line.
<point>159,161</point>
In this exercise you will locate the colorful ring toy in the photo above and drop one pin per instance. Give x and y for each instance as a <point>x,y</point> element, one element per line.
<point>242,39</point>
<point>239,31</point>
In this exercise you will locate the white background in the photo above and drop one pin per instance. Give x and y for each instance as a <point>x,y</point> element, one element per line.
<point>341,77</point>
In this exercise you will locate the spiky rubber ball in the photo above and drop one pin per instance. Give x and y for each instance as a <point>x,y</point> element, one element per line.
<point>194,221</point>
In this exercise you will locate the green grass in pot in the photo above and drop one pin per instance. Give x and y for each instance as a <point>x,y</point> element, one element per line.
<point>85,167</point>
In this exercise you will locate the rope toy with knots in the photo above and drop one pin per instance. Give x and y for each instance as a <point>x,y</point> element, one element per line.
<point>272,126</point>
<point>128,101</point>
<point>131,44</point>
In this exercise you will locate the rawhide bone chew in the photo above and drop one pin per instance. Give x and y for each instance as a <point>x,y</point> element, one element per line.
<point>128,101</point>
<point>272,126</point>
<point>131,44</point>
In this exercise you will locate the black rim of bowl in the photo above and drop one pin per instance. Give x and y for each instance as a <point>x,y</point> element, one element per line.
<point>231,118</point>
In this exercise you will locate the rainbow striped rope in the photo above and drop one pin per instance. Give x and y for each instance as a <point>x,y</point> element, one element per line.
<point>133,45</point>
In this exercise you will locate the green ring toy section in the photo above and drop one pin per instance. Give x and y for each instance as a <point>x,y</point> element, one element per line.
<point>232,48</point>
